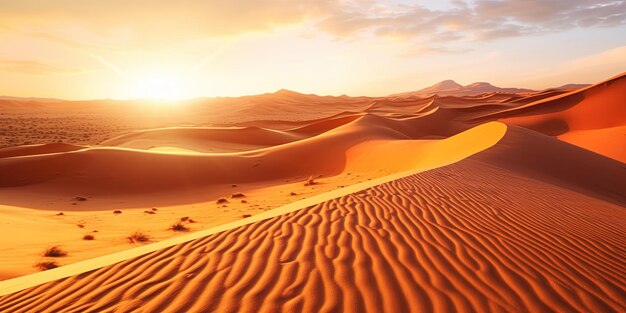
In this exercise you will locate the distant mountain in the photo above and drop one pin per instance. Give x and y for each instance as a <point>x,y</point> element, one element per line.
<point>452,88</point>
<point>28,99</point>
<point>572,86</point>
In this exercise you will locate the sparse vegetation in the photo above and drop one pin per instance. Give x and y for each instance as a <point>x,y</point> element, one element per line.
<point>89,237</point>
<point>54,252</point>
<point>246,215</point>
<point>221,201</point>
<point>244,201</point>
<point>80,225</point>
<point>138,237</point>
<point>187,219</point>
<point>293,194</point>
<point>149,212</point>
<point>80,199</point>
<point>46,265</point>
<point>117,212</point>
<point>154,209</point>
<point>60,214</point>
<point>237,195</point>
<point>178,226</point>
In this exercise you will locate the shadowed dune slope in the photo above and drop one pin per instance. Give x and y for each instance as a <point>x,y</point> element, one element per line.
<point>532,154</point>
<point>476,236</point>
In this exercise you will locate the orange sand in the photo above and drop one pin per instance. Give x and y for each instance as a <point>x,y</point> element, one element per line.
<point>424,203</point>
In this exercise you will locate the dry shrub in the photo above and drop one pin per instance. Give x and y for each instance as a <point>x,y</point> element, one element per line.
<point>138,237</point>
<point>46,265</point>
<point>54,252</point>
<point>178,226</point>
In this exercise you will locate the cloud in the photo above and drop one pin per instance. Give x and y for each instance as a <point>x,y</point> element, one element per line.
<point>161,24</point>
<point>33,68</point>
<point>481,20</point>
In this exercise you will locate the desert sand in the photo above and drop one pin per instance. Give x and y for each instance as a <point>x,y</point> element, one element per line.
<point>501,201</point>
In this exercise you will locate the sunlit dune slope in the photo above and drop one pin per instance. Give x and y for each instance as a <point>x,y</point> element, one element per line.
<point>480,235</point>
<point>610,142</point>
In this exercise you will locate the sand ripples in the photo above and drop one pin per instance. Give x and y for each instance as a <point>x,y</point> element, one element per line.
<point>452,239</point>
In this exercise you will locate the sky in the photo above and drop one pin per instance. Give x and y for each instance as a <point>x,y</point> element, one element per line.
<point>92,49</point>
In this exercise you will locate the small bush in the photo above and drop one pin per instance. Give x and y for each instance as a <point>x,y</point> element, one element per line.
<point>138,237</point>
<point>237,195</point>
<point>221,201</point>
<point>89,237</point>
<point>246,215</point>
<point>117,212</point>
<point>46,265</point>
<point>54,252</point>
<point>178,226</point>
<point>149,212</point>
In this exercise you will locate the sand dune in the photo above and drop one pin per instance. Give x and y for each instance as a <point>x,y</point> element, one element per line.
<point>206,139</point>
<point>491,217</point>
<point>449,239</point>
<point>30,150</point>
<point>109,171</point>
<point>594,107</point>
<point>610,142</point>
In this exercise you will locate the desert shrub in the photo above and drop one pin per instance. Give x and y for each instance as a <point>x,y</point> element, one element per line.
<point>138,237</point>
<point>46,265</point>
<point>54,252</point>
<point>178,226</point>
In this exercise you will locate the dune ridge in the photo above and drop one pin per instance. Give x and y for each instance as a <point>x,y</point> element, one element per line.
<point>488,202</point>
<point>448,239</point>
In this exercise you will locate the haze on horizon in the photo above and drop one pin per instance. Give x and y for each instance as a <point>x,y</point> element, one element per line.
<point>120,49</point>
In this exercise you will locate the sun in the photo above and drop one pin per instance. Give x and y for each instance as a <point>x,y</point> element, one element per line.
<point>160,86</point>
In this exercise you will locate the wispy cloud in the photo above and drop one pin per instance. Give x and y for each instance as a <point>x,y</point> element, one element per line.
<point>481,20</point>
<point>161,22</point>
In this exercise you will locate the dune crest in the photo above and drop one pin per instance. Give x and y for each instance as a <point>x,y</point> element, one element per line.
<point>445,240</point>
<point>491,201</point>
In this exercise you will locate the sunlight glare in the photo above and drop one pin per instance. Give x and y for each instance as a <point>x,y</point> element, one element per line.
<point>160,86</point>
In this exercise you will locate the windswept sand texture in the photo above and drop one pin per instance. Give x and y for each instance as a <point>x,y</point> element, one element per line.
<point>465,238</point>
<point>504,208</point>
